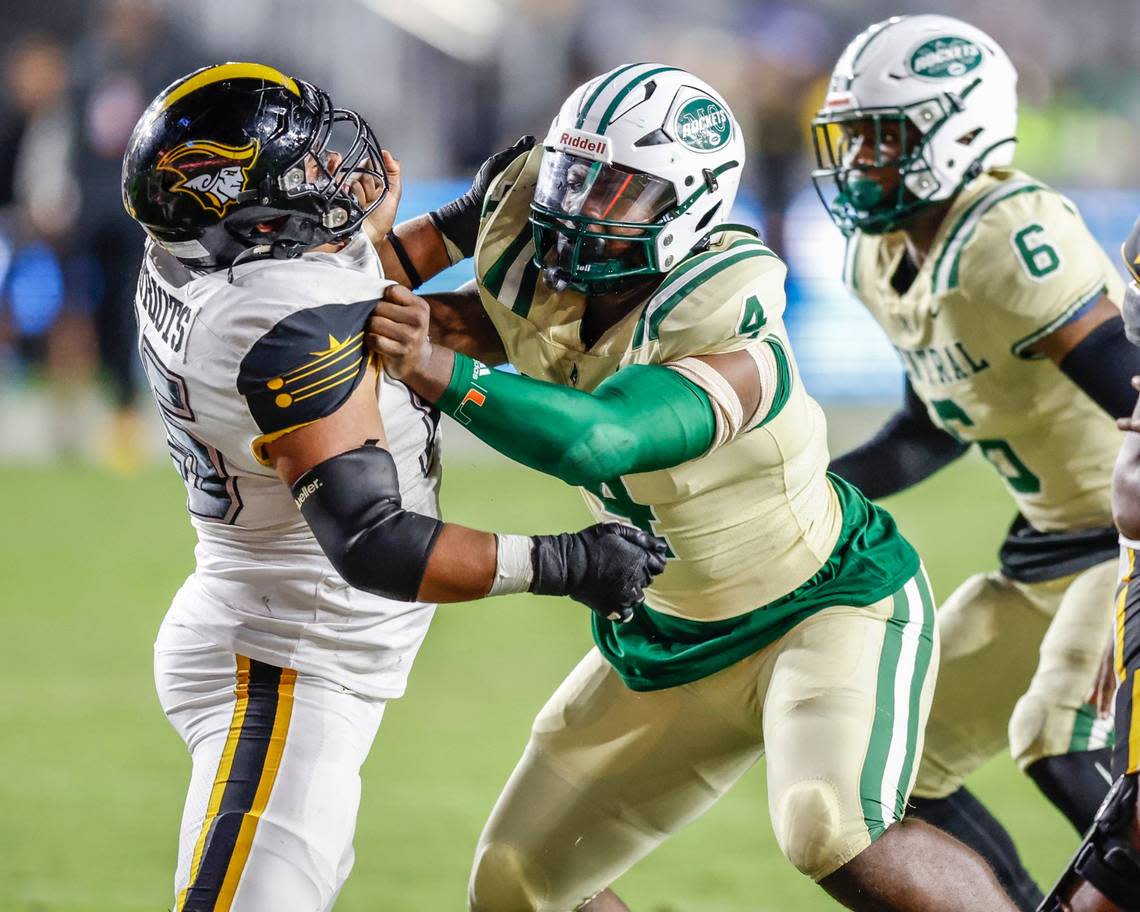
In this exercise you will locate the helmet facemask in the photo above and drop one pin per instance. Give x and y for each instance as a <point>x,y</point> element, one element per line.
<point>843,178</point>
<point>596,225</point>
<point>310,202</point>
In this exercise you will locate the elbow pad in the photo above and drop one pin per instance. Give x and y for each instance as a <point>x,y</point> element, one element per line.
<point>352,504</point>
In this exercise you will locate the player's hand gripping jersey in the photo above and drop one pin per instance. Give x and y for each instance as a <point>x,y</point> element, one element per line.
<point>1012,262</point>
<point>233,365</point>
<point>759,536</point>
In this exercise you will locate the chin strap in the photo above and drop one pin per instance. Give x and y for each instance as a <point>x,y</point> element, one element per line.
<point>250,253</point>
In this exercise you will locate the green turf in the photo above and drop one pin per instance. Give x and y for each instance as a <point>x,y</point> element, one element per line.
<point>92,777</point>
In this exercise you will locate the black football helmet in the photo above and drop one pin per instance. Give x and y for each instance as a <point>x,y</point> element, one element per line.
<point>233,162</point>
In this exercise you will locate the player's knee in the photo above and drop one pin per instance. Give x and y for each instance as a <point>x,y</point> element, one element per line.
<point>809,828</point>
<point>1028,730</point>
<point>500,880</point>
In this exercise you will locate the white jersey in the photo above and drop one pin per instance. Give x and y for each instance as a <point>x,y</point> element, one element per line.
<point>233,364</point>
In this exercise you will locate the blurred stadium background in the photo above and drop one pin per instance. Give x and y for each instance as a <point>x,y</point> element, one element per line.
<point>94,540</point>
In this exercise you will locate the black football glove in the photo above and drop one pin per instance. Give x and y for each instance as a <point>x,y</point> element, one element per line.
<point>606,567</point>
<point>458,220</point>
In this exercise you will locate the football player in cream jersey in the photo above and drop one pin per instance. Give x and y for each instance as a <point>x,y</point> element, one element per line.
<point>1006,315</point>
<point>311,481</point>
<point>792,620</point>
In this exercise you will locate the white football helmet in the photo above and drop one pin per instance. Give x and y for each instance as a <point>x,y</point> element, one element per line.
<point>640,164</point>
<point>954,87</point>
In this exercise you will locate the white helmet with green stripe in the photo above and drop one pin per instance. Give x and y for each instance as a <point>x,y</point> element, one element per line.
<point>945,87</point>
<point>640,164</point>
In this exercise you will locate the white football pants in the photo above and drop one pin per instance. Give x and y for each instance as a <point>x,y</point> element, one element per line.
<point>275,787</point>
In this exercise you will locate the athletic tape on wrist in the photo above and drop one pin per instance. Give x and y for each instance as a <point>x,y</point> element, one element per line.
<point>514,568</point>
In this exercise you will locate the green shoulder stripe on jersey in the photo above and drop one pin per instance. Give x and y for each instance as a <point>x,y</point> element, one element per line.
<point>1021,347</point>
<point>527,285</point>
<point>585,109</point>
<point>783,379</point>
<point>688,276</point>
<point>870,561</point>
<point>607,116</point>
<point>945,276</point>
<point>496,275</point>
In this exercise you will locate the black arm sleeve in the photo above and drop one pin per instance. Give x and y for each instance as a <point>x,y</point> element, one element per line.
<point>352,504</point>
<point>907,449</point>
<point>1102,364</point>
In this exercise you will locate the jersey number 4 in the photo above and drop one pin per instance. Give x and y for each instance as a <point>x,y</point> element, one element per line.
<point>212,492</point>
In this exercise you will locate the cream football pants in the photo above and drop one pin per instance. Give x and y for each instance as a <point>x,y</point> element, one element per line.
<point>1018,660</point>
<point>275,786</point>
<point>837,704</point>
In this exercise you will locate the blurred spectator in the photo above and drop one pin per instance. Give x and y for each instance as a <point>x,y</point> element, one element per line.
<point>129,57</point>
<point>38,208</point>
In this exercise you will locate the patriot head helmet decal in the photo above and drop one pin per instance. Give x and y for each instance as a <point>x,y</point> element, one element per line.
<point>214,174</point>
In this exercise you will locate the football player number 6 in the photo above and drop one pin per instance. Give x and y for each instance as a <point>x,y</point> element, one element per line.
<point>1038,258</point>
<point>998,452</point>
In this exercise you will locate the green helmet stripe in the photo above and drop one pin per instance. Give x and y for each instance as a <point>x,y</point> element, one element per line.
<point>620,96</point>
<point>598,91</point>
<point>703,188</point>
<point>870,40</point>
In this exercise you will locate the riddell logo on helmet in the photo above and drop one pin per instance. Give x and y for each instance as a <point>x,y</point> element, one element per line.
<point>587,145</point>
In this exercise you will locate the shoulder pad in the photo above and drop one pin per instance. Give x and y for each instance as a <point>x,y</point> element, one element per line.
<point>984,230</point>
<point>305,367</point>
<point>715,300</point>
<point>512,174</point>
<point>1131,251</point>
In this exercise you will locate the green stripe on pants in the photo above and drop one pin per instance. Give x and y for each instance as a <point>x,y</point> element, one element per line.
<point>904,663</point>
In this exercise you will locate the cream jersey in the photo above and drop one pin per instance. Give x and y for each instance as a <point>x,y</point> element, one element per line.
<point>1012,262</point>
<point>232,365</point>
<point>751,520</point>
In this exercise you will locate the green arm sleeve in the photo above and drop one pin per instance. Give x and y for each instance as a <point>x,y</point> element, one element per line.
<point>643,418</point>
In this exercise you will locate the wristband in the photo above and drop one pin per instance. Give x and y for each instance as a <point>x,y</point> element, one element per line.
<point>405,260</point>
<point>514,567</point>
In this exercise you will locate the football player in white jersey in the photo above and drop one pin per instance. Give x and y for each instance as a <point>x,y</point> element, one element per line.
<point>311,481</point>
<point>1006,315</point>
<point>793,620</point>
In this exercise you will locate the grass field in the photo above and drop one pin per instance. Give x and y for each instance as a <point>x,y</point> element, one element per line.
<point>92,777</point>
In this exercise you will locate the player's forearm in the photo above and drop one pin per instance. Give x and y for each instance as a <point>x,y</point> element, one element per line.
<point>902,454</point>
<point>416,253</point>
<point>461,566</point>
<point>642,419</point>
<point>460,322</point>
